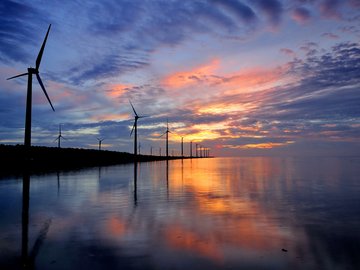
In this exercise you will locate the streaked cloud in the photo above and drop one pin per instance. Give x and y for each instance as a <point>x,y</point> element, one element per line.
<point>239,76</point>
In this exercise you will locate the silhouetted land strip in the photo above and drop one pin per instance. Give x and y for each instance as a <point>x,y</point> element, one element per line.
<point>15,159</point>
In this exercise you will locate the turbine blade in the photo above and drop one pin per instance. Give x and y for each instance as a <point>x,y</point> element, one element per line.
<point>162,134</point>
<point>56,139</point>
<point>133,108</point>
<point>132,129</point>
<point>43,88</point>
<point>38,59</point>
<point>18,76</point>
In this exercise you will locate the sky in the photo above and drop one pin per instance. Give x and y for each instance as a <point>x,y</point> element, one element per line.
<point>241,77</point>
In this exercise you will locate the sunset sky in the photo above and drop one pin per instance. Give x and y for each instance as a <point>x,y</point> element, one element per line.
<point>242,77</point>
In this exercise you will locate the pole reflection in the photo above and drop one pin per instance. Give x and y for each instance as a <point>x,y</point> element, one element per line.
<point>135,183</point>
<point>25,219</point>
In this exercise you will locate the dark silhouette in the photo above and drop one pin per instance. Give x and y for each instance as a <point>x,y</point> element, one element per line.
<point>182,146</point>
<point>15,159</point>
<point>191,149</point>
<point>32,71</point>
<point>100,141</point>
<point>134,128</point>
<point>59,137</point>
<point>167,138</point>
<point>196,150</point>
<point>28,258</point>
<point>167,179</point>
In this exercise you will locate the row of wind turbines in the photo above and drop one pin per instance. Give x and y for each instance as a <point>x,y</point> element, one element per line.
<point>204,152</point>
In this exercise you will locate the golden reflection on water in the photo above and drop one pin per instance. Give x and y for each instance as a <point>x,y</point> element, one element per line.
<point>225,213</point>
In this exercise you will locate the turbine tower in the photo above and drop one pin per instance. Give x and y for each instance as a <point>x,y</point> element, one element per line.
<point>33,71</point>
<point>59,137</point>
<point>100,141</point>
<point>182,146</point>
<point>134,128</point>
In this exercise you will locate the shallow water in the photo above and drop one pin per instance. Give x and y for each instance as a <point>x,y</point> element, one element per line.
<point>219,213</point>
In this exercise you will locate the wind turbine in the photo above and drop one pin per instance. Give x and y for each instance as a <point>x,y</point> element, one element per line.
<point>182,146</point>
<point>191,149</point>
<point>33,71</point>
<point>59,137</point>
<point>134,129</point>
<point>100,141</point>
<point>167,138</point>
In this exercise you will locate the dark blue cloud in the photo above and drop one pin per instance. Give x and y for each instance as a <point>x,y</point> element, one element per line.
<point>242,11</point>
<point>273,9</point>
<point>302,14</point>
<point>108,66</point>
<point>20,30</point>
<point>330,8</point>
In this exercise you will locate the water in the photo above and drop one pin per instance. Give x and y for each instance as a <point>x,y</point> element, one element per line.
<point>220,213</point>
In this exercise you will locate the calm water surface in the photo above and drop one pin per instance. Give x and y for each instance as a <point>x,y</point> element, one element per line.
<point>220,213</point>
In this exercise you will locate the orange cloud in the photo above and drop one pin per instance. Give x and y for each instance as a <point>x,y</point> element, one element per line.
<point>186,78</point>
<point>268,145</point>
<point>253,79</point>
<point>110,116</point>
<point>117,90</point>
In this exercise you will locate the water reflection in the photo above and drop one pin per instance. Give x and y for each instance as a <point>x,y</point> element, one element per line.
<point>199,214</point>
<point>28,258</point>
<point>135,182</point>
<point>25,218</point>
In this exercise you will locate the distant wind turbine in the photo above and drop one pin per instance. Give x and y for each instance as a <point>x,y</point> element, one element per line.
<point>134,128</point>
<point>191,149</point>
<point>182,146</point>
<point>100,141</point>
<point>167,138</point>
<point>59,137</point>
<point>32,71</point>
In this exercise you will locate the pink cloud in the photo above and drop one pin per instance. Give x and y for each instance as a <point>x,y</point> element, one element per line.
<point>330,35</point>
<point>301,15</point>
<point>288,52</point>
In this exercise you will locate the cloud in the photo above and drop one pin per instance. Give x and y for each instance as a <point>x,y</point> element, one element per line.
<point>301,15</point>
<point>288,52</point>
<point>242,11</point>
<point>108,66</point>
<point>330,8</point>
<point>330,35</point>
<point>18,23</point>
<point>273,9</point>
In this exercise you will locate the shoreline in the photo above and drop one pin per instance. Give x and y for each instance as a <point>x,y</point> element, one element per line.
<point>16,159</point>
